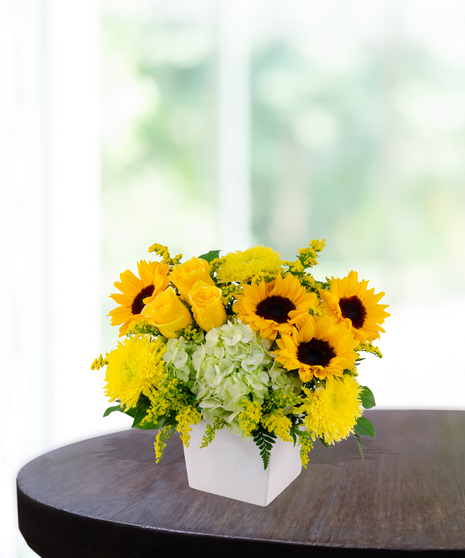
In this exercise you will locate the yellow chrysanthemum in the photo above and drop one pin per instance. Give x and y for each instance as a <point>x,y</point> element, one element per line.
<point>249,265</point>
<point>137,292</point>
<point>349,301</point>
<point>332,412</point>
<point>317,347</point>
<point>134,367</point>
<point>273,307</point>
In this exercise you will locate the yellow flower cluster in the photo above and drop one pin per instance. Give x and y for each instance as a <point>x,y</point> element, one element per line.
<point>370,348</point>
<point>163,251</point>
<point>280,399</point>
<point>186,417</point>
<point>308,256</point>
<point>99,362</point>
<point>306,445</point>
<point>230,293</point>
<point>278,423</point>
<point>249,418</point>
<point>209,435</point>
<point>161,438</point>
<point>168,399</point>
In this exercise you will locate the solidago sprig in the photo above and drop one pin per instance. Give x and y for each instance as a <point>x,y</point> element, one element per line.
<point>210,430</point>
<point>163,251</point>
<point>249,418</point>
<point>368,347</point>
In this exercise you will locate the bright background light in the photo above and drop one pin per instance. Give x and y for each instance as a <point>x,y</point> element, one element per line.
<point>219,125</point>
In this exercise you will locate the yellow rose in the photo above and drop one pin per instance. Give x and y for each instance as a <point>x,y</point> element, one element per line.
<point>167,313</point>
<point>185,275</point>
<point>208,309</point>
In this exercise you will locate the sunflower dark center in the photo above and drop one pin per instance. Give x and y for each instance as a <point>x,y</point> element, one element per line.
<point>315,351</point>
<point>138,302</point>
<point>353,309</point>
<point>275,308</point>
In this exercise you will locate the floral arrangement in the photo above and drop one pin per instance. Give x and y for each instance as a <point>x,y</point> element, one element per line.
<point>246,341</point>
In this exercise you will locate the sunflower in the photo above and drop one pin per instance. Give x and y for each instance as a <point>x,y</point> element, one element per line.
<point>272,307</point>
<point>332,412</point>
<point>134,367</point>
<point>136,293</point>
<point>317,347</point>
<point>349,301</point>
<point>248,265</point>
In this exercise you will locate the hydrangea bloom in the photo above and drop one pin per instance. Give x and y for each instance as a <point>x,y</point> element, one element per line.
<point>233,366</point>
<point>178,357</point>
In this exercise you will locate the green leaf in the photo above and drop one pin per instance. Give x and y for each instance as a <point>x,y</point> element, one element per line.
<point>364,427</point>
<point>161,422</point>
<point>131,412</point>
<point>294,434</point>
<point>265,441</point>
<point>367,398</point>
<point>210,256</point>
<point>360,447</point>
<point>112,410</point>
<point>139,412</point>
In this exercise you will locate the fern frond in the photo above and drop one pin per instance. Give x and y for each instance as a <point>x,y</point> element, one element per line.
<point>264,440</point>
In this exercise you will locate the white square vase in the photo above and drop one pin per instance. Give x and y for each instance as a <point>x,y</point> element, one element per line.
<point>232,467</point>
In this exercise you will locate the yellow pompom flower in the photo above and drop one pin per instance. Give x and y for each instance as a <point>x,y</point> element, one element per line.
<point>134,367</point>
<point>249,265</point>
<point>317,347</point>
<point>273,307</point>
<point>207,307</point>
<point>332,411</point>
<point>349,301</point>
<point>137,292</point>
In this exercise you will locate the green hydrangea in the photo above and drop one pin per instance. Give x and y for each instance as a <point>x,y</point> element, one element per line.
<point>233,366</point>
<point>178,358</point>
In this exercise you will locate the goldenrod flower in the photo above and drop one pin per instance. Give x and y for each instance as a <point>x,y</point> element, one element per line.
<point>249,265</point>
<point>272,307</point>
<point>349,301</point>
<point>137,292</point>
<point>317,347</point>
<point>279,423</point>
<point>134,367</point>
<point>250,416</point>
<point>185,418</point>
<point>332,411</point>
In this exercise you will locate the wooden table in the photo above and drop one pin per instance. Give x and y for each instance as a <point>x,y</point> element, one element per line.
<point>105,497</point>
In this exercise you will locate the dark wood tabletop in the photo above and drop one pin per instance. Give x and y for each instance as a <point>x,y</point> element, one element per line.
<point>106,497</point>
